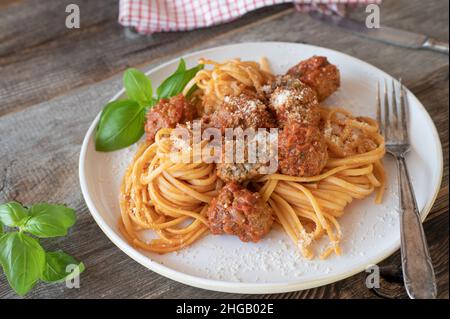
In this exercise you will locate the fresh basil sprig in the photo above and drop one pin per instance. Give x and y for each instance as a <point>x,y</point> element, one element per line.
<point>12,214</point>
<point>122,122</point>
<point>138,87</point>
<point>23,259</point>
<point>56,264</point>
<point>49,220</point>
<point>175,83</point>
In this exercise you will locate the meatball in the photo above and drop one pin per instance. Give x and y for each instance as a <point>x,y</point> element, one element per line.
<point>259,159</point>
<point>237,172</point>
<point>302,150</point>
<point>316,72</point>
<point>295,104</point>
<point>285,81</point>
<point>167,114</point>
<point>241,111</point>
<point>238,211</point>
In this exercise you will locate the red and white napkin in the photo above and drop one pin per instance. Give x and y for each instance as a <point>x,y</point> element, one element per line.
<point>150,16</point>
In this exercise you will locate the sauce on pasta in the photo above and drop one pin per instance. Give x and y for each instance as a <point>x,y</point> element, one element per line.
<point>176,199</point>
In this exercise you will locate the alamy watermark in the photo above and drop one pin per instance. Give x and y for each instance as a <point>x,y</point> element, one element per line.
<point>73,17</point>
<point>73,279</point>
<point>236,145</point>
<point>373,17</point>
<point>373,278</point>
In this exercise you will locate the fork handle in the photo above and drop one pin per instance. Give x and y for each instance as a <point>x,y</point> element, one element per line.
<point>418,272</point>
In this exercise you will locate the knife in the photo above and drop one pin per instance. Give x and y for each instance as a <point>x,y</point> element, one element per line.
<point>389,35</point>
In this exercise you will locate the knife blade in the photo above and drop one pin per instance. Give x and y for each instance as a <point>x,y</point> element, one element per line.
<point>385,34</point>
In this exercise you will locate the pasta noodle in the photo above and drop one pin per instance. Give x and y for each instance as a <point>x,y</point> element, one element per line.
<point>233,77</point>
<point>318,200</point>
<point>171,198</point>
<point>166,196</point>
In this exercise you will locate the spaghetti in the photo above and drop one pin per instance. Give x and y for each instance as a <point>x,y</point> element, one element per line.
<point>308,207</point>
<point>171,198</point>
<point>233,77</point>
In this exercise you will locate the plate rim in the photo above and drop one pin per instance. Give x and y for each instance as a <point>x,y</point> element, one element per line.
<point>228,286</point>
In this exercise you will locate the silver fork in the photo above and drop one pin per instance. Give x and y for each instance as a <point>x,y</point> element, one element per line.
<point>418,273</point>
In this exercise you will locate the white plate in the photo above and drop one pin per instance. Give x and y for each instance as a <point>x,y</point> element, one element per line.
<point>223,263</point>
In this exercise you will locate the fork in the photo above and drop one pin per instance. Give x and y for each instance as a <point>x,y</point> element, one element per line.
<point>418,273</point>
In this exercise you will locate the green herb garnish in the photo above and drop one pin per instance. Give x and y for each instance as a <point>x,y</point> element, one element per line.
<point>122,122</point>
<point>23,259</point>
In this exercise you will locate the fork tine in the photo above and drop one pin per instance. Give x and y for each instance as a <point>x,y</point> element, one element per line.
<point>405,113</point>
<point>395,109</point>
<point>386,112</point>
<point>378,104</point>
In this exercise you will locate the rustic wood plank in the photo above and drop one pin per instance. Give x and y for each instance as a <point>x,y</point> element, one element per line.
<point>433,92</point>
<point>39,158</point>
<point>40,58</point>
<point>54,60</point>
<point>6,3</point>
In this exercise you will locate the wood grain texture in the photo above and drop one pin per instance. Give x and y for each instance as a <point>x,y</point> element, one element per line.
<point>53,82</point>
<point>40,58</point>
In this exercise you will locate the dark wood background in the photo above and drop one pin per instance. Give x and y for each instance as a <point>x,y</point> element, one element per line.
<point>54,80</point>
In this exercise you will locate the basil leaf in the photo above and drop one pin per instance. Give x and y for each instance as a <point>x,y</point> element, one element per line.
<point>181,66</point>
<point>1,229</point>
<point>47,220</point>
<point>138,86</point>
<point>163,90</point>
<point>23,260</point>
<point>121,124</point>
<point>190,74</point>
<point>170,86</point>
<point>12,214</point>
<point>176,82</point>
<point>56,270</point>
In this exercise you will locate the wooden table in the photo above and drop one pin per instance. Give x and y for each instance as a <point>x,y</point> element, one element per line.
<point>53,81</point>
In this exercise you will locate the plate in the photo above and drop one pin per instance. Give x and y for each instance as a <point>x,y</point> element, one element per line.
<point>224,263</point>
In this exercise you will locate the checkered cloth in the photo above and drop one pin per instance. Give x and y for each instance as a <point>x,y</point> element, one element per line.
<point>150,16</point>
